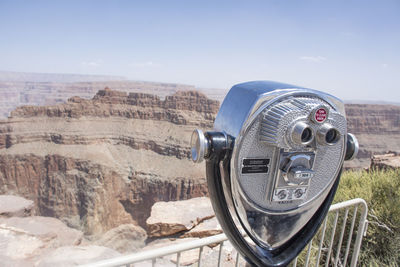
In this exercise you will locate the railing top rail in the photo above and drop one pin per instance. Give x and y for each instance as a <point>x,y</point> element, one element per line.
<point>158,252</point>
<point>349,203</point>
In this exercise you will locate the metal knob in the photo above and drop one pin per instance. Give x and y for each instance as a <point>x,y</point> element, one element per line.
<point>352,147</point>
<point>199,146</point>
<point>298,169</point>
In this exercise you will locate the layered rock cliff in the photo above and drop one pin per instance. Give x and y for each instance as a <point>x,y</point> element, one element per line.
<point>99,163</point>
<point>377,128</point>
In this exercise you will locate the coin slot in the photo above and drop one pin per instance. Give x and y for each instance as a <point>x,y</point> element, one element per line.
<point>255,165</point>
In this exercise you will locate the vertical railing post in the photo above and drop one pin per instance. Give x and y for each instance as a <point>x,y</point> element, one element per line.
<point>360,232</point>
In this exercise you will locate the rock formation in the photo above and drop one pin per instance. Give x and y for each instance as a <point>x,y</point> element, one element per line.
<point>27,240</point>
<point>24,239</point>
<point>390,160</point>
<point>377,128</point>
<point>168,218</point>
<point>96,164</point>
<point>123,238</point>
<point>180,220</point>
<point>206,228</point>
<point>49,91</point>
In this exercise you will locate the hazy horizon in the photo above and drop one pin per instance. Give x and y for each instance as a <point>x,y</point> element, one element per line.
<point>82,78</point>
<point>346,48</point>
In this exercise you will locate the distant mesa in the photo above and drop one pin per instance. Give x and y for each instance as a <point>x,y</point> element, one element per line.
<point>108,102</point>
<point>18,89</point>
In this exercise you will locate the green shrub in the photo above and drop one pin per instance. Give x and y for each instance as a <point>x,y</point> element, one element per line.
<point>381,190</point>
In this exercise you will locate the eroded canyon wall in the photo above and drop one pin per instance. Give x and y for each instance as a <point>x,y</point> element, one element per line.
<point>377,128</point>
<point>99,163</point>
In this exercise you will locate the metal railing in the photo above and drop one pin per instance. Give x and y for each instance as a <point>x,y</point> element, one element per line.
<point>337,240</point>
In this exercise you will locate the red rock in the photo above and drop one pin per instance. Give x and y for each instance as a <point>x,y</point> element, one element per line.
<point>168,218</point>
<point>390,160</point>
<point>205,228</point>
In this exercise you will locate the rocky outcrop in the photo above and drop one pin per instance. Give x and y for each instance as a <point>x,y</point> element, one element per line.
<point>124,238</point>
<point>168,218</point>
<point>183,216</point>
<point>193,218</point>
<point>24,239</point>
<point>14,206</point>
<point>206,228</point>
<point>46,241</point>
<point>390,160</point>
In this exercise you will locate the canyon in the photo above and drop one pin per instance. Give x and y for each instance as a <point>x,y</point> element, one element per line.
<point>98,159</point>
<point>99,163</point>
<point>376,126</point>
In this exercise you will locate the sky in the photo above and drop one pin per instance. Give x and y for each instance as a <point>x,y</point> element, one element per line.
<point>350,49</point>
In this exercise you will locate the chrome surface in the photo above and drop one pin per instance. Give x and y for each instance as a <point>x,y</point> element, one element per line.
<point>244,99</point>
<point>258,116</point>
<point>324,132</point>
<point>302,133</point>
<point>298,170</point>
<point>356,145</point>
<point>199,146</point>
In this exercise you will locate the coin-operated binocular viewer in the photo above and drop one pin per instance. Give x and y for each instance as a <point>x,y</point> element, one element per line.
<point>273,165</point>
